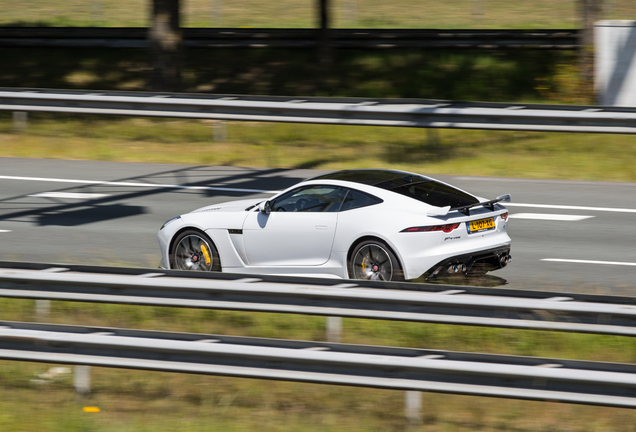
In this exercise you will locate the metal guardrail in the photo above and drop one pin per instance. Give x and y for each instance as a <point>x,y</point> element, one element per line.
<point>113,37</point>
<point>336,111</point>
<point>611,315</point>
<point>592,383</point>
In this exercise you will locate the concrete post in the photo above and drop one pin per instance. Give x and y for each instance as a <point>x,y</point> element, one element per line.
<point>82,380</point>
<point>20,121</point>
<point>334,329</point>
<point>219,131</point>
<point>413,406</point>
<point>615,67</point>
<point>42,310</point>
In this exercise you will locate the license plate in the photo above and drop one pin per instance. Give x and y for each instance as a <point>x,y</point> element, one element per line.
<point>480,225</point>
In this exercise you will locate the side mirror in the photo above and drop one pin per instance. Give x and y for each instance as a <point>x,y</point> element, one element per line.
<point>265,207</point>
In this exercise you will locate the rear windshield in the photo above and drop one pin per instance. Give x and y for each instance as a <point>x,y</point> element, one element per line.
<point>418,187</point>
<point>429,191</point>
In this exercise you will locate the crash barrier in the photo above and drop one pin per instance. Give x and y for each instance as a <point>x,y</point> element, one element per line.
<point>392,300</point>
<point>429,303</point>
<point>121,37</point>
<point>530,378</point>
<point>335,111</point>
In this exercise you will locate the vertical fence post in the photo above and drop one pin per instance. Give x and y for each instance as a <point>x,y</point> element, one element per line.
<point>82,380</point>
<point>413,406</point>
<point>20,121</point>
<point>42,310</point>
<point>334,329</point>
<point>219,131</point>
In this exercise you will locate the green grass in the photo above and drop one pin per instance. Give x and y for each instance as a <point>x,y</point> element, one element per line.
<point>302,13</point>
<point>479,153</point>
<point>146,401</point>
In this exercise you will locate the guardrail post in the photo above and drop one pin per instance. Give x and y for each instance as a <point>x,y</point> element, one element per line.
<point>334,329</point>
<point>413,406</point>
<point>219,131</point>
<point>433,146</point>
<point>42,309</point>
<point>20,121</point>
<point>82,380</point>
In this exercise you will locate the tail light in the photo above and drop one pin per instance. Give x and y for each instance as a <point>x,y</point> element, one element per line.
<point>446,228</point>
<point>504,216</point>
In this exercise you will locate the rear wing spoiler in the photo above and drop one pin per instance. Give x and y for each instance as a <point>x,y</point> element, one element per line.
<point>490,205</point>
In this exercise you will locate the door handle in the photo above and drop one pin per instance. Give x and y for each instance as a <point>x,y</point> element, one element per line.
<point>321,227</point>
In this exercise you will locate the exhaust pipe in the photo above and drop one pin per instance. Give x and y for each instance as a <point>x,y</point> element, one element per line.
<point>504,260</point>
<point>456,268</point>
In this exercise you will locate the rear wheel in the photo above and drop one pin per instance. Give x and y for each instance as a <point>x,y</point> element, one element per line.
<point>374,260</point>
<point>193,250</point>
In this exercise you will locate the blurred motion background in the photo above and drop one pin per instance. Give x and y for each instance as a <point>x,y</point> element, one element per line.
<point>416,14</point>
<point>519,75</point>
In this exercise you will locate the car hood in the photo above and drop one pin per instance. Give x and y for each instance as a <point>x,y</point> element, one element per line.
<point>231,206</point>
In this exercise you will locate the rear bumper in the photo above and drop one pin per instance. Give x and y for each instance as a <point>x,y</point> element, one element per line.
<point>476,263</point>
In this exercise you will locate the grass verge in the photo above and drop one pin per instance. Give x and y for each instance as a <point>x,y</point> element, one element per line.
<point>143,401</point>
<point>537,14</point>
<point>461,152</point>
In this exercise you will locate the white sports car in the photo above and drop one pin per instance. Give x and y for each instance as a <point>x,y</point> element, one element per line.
<point>358,224</point>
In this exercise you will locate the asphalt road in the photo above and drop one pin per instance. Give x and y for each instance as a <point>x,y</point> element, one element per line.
<point>566,235</point>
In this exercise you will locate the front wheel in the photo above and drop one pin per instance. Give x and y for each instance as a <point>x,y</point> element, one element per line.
<point>193,250</point>
<point>374,260</point>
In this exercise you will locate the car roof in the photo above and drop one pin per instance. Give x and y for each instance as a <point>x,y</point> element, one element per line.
<point>414,186</point>
<point>374,177</point>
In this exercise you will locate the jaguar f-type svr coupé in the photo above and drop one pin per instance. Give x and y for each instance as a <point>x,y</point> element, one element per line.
<point>358,224</point>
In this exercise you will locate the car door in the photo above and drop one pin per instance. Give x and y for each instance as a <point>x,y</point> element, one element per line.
<point>297,231</point>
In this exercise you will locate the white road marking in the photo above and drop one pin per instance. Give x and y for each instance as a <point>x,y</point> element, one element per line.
<point>549,217</point>
<point>130,184</point>
<point>564,207</point>
<point>618,263</point>
<point>229,189</point>
<point>68,195</point>
<point>5,231</point>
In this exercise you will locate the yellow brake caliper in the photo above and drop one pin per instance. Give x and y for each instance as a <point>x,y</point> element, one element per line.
<point>206,255</point>
<point>363,264</point>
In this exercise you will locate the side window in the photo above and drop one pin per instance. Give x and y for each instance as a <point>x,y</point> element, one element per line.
<point>310,199</point>
<point>356,199</point>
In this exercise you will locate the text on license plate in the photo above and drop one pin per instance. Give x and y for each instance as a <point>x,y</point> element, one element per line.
<point>480,225</point>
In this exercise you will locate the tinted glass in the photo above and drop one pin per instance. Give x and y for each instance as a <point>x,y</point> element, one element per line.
<point>433,193</point>
<point>364,176</point>
<point>356,199</point>
<point>311,199</point>
<point>414,186</point>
